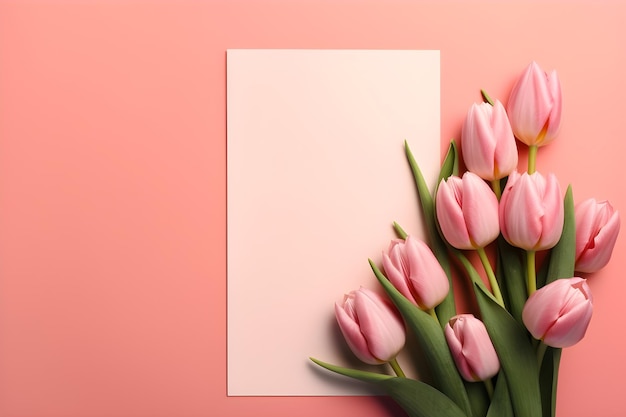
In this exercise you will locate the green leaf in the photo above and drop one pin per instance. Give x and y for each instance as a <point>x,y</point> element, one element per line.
<point>399,231</point>
<point>447,308</point>
<point>512,277</point>
<point>563,255</point>
<point>417,398</point>
<point>501,402</point>
<point>479,399</point>
<point>430,336</point>
<point>472,273</point>
<point>517,356</point>
<point>561,265</point>
<point>486,97</point>
<point>353,373</point>
<point>450,165</point>
<point>549,376</point>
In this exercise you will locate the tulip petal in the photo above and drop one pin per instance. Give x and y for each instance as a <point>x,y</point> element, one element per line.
<point>396,269</point>
<point>471,348</point>
<point>555,112</point>
<point>353,336</point>
<point>597,228</point>
<point>597,256</point>
<point>480,210</point>
<point>534,106</point>
<point>481,356</point>
<point>456,348</point>
<point>478,140</point>
<point>571,327</point>
<point>586,224</point>
<point>428,282</point>
<point>527,93</point>
<point>505,155</point>
<point>504,198</point>
<point>383,330</point>
<point>559,313</point>
<point>488,143</point>
<point>414,270</point>
<point>448,205</point>
<point>540,311</point>
<point>522,214</point>
<point>553,214</point>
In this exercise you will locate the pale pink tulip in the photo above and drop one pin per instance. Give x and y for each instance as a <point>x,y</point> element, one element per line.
<point>371,326</point>
<point>487,141</point>
<point>531,211</point>
<point>471,348</point>
<point>467,211</point>
<point>414,270</point>
<point>534,106</point>
<point>559,313</point>
<point>597,227</point>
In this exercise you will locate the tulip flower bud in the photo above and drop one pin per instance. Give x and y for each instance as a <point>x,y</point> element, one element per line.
<point>414,270</point>
<point>597,227</point>
<point>471,348</point>
<point>534,106</point>
<point>487,141</point>
<point>467,211</point>
<point>531,211</point>
<point>372,328</point>
<point>559,313</point>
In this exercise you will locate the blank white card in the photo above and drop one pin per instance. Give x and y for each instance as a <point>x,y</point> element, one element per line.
<point>317,174</point>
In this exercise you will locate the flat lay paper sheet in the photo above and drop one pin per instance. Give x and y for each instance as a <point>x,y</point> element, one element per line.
<point>316,175</point>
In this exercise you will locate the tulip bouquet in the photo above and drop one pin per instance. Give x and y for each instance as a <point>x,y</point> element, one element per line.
<point>523,245</point>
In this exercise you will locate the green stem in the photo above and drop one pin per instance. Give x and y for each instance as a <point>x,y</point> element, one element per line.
<point>433,314</point>
<point>495,288</point>
<point>497,190</point>
<point>541,351</point>
<point>396,368</point>
<point>489,387</point>
<point>532,158</point>
<point>531,275</point>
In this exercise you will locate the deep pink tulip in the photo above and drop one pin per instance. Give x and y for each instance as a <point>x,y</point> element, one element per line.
<point>471,348</point>
<point>371,326</point>
<point>414,270</point>
<point>467,211</point>
<point>487,141</point>
<point>534,106</point>
<point>559,313</point>
<point>531,211</point>
<point>597,227</point>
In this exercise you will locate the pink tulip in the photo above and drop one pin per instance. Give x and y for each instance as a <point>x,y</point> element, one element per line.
<point>413,269</point>
<point>467,211</point>
<point>597,227</point>
<point>534,106</point>
<point>559,313</point>
<point>371,327</point>
<point>488,143</point>
<point>531,211</point>
<point>471,348</point>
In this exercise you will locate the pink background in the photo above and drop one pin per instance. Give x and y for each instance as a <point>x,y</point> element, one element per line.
<point>112,184</point>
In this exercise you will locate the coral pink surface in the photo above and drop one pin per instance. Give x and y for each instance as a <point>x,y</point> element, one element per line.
<point>113,184</point>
